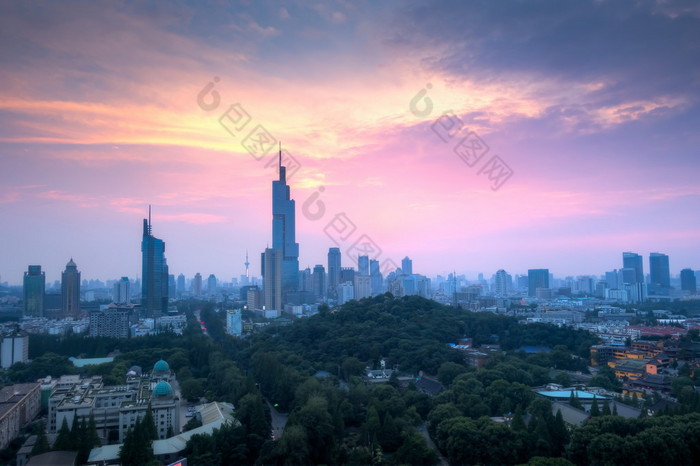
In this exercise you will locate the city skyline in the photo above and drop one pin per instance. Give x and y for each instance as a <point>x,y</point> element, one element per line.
<point>596,117</point>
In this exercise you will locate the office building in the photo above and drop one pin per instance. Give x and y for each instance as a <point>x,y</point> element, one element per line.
<point>631,260</point>
<point>122,291</point>
<point>502,283</point>
<point>197,285</point>
<point>253,299</point>
<point>34,288</point>
<point>319,281</point>
<point>659,273</point>
<point>688,281</point>
<point>284,232</point>
<point>272,279</point>
<point>181,285</point>
<point>14,347</point>
<point>345,292</point>
<point>70,290</point>
<point>154,273</point>
<point>347,274</point>
<point>407,266</point>
<point>537,278</point>
<point>363,265</point>
<point>211,285</point>
<point>234,325</point>
<point>113,321</point>
<point>334,264</point>
<point>362,287</point>
<point>376,278</point>
<point>172,286</point>
<point>305,281</point>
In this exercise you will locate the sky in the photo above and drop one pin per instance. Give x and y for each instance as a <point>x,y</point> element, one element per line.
<point>468,135</point>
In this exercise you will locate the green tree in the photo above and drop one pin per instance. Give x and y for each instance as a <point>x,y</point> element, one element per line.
<point>42,444</point>
<point>574,402</point>
<point>595,410</point>
<point>63,441</point>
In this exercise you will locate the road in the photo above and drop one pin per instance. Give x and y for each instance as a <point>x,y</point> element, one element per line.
<point>424,432</point>
<point>279,421</point>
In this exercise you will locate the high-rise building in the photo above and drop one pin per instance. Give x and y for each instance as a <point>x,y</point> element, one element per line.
<point>70,290</point>
<point>34,290</point>
<point>283,231</point>
<point>181,284</point>
<point>345,292</point>
<point>172,286</point>
<point>376,278</point>
<point>211,285</point>
<point>347,274</point>
<point>234,326</point>
<point>362,287</point>
<point>114,321</point>
<point>319,281</point>
<point>122,291</point>
<point>407,266</point>
<point>14,347</point>
<point>631,260</point>
<point>197,284</point>
<point>659,272</point>
<point>272,279</point>
<point>305,280</point>
<point>688,281</point>
<point>334,264</point>
<point>537,278</point>
<point>363,265</point>
<point>502,283</point>
<point>612,280</point>
<point>154,273</point>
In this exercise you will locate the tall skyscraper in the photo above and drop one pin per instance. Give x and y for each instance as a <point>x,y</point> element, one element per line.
<point>211,285</point>
<point>376,278</point>
<point>283,231</point>
<point>407,266</point>
<point>363,265</point>
<point>154,273</point>
<point>34,290</point>
<point>688,281</point>
<point>631,260</point>
<point>659,272</point>
<point>70,290</point>
<point>272,279</point>
<point>537,278</point>
<point>502,283</point>
<point>333,271</point>
<point>197,284</point>
<point>122,291</point>
<point>319,281</point>
<point>180,284</point>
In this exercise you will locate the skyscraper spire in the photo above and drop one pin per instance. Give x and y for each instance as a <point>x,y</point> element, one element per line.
<point>280,156</point>
<point>247,274</point>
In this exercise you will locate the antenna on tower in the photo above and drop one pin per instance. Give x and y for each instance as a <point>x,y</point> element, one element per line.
<point>280,155</point>
<point>149,219</point>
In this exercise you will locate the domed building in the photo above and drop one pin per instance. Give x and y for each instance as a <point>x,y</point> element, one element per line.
<point>162,389</point>
<point>161,371</point>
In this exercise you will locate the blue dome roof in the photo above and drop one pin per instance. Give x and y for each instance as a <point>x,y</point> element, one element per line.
<point>161,366</point>
<point>162,388</point>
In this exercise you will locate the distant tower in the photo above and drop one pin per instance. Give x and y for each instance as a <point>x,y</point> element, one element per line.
<point>537,278</point>
<point>633,261</point>
<point>154,272</point>
<point>122,291</point>
<point>247,264</point>
<point>407,266</point>
<point>272,279</point>
<point>197,284</point>
<point>70,290</point>
<point>211,285</point>
<point>659,272</point>
<point>34,289</point>
<point>283,231</point>
<point>334,264</point>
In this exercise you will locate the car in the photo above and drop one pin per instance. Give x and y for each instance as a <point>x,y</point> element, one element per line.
<point>189,414</point>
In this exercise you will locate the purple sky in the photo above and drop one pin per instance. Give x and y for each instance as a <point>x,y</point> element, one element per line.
<point>593,106</point>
